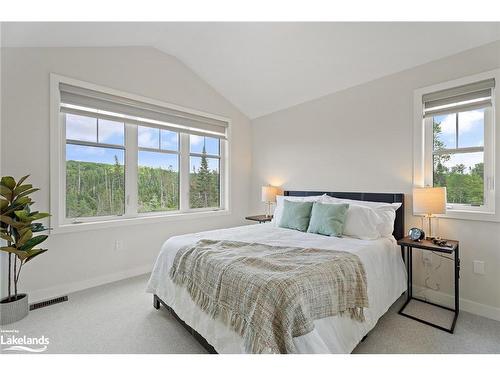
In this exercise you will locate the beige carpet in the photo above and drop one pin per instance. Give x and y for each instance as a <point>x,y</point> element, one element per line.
<point>119,318</point>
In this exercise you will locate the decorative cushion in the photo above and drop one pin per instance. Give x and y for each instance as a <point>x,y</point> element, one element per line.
<point>295,215</point>
<point>328,219</point>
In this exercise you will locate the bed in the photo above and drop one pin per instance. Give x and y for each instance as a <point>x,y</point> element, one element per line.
<point>381,258</point>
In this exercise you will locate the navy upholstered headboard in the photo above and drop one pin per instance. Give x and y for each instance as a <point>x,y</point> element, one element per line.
<point>399,223</point>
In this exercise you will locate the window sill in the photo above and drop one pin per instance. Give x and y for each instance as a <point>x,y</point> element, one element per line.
<point>145,219</point>
<point>470,215</point>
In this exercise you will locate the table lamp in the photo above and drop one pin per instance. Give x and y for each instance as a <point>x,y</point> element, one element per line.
<point>429,201</point>
<point>269,197</point>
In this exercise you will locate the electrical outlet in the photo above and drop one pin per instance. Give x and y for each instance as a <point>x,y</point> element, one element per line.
<point>478,267</point>
<point>119,245</point>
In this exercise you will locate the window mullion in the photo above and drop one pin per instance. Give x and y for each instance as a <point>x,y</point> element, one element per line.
<point>489,157</point>
<point>131,170</point>
<point>184,172</point>
<point>222,175</point>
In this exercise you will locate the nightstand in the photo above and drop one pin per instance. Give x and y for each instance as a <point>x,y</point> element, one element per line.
<point>426,245</point>
<point>260,218</point>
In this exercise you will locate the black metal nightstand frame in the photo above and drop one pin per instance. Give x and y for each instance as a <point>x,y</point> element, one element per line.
<point>409,266</point>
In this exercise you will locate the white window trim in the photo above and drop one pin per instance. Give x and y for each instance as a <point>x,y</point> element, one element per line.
<point>58,221</point>
<point>422,149</point>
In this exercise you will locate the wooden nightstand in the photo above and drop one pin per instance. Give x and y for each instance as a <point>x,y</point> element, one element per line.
<point>260,218</point>
<point>427,245</point>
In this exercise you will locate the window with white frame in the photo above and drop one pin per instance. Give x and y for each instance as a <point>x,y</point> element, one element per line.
<point>126,158</point>
<point>459,144</point>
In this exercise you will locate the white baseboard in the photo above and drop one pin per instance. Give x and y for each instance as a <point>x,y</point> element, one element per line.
<point>465,304</point>
<point>64,289</point>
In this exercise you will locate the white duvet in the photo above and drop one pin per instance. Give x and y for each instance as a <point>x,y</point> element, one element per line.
<point>381,258</point>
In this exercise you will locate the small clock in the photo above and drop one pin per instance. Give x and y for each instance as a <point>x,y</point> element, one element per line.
<point>416,234</point>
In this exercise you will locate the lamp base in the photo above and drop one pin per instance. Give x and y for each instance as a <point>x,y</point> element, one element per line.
<point>268,211</point>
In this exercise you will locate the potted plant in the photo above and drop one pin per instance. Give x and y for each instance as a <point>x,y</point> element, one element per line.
<point>17,228</point>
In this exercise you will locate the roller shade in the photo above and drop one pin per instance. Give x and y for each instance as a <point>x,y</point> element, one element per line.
<point>82,101</point>
<point>459,99</point>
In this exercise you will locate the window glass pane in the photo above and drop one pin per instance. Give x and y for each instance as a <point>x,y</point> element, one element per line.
<point>198,142</point>
<point>158,181</point>
<point>462,175</point>
<point>169,140</point>
<point>81,128</point>
<point>204,182</point>
<point>111,132</point>
<point>444,128</point>
<point>148,137</point>
<point>95,181</point>
<point>471,128</point>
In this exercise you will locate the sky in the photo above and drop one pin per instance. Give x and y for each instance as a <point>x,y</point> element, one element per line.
<point>88,129</point>
<point>470,134</point>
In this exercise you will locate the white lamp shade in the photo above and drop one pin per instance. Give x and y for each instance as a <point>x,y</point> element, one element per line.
<point>269,193</point>
<point>429,200</point>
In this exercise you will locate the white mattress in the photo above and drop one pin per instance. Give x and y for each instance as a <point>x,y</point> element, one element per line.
<point>381,258</point>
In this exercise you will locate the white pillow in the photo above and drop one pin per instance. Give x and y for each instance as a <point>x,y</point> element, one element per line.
<point>385,211</point>
<point>278,211</point>
<point>361,222</point>
<point>387,215</point>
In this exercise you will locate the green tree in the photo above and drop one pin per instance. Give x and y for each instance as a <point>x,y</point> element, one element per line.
<point>440,170</point>
<point>204,184</point>
<point>462,187</point>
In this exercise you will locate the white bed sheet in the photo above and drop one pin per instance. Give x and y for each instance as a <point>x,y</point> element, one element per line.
<point>381,258</point>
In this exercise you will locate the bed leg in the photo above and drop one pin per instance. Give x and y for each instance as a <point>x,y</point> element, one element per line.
<point>156,302</point>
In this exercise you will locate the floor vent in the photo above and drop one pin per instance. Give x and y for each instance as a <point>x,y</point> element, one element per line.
<point>49,302</point>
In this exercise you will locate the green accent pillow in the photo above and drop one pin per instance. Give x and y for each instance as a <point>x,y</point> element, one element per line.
<point>328,219</point>
<point>296,215</point>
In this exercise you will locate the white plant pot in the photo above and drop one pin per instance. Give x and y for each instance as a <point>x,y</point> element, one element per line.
<point>11,312</point>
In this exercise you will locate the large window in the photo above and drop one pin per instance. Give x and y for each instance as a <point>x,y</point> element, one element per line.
<point>458,156</point>
<point>123,158</point>
<point>459,145</point>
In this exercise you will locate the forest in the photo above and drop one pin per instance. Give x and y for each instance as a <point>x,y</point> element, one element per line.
<point>98,189</point>
<point>463,185</point>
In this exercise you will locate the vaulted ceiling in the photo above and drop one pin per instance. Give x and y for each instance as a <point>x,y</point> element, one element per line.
<point>265,67</point>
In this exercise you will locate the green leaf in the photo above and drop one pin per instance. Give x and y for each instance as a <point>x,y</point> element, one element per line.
<point>22,255</point>
<point>33,253</point>
<point>8,181</point>
<point>3,204</point>
<point>23,215</point>
<point>22,179</point>
<point>38,227</point>
<point>9,221</point>
<point>39,215</point>
<point>24,230</point>
<point>28,234</point>
<point>33,242</point>
<point>6,237</point>
<point>19,189</point>
<point>5,192</point>
<point>27,192</point>
<point>22,201</point>
<point>12,208</point>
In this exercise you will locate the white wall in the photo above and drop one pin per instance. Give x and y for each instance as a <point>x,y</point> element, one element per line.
<point>360,139</point>
<point>83,259</point>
